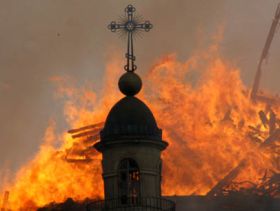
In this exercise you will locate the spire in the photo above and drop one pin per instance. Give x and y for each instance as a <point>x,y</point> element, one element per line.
<point>130,83</point>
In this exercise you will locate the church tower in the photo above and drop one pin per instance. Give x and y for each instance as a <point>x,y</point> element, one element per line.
<point>131,142</point>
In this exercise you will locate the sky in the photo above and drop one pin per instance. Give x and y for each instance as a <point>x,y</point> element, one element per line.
<point>40,39</point>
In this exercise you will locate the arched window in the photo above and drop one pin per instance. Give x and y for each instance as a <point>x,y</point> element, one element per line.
<point>129,181</point>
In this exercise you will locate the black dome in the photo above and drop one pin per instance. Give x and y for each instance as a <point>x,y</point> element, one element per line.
<point>130,118</point>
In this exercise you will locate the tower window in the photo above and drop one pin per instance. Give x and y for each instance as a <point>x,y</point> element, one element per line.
<point>129,181</point>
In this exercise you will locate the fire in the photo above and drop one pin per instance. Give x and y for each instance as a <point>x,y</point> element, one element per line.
<point>206,115</point>
<point>206,124</point>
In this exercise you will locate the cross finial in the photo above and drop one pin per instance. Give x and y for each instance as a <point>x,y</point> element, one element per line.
<point>130,26</point>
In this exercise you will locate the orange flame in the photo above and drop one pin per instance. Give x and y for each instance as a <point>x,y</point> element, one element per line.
<point>203,108</point>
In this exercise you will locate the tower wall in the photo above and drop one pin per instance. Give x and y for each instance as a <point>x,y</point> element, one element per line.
<point>148,160</point>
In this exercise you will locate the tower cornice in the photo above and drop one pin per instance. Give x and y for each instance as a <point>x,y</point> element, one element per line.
<point>102,146</point>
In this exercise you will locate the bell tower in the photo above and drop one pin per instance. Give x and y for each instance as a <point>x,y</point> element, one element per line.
<point>131,145</point>
<point>131,142</point>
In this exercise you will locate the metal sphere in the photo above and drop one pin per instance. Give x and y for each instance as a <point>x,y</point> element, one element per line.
<point>130,84</point>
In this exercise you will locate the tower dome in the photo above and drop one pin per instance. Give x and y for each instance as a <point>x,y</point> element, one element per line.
<point>130,119</point>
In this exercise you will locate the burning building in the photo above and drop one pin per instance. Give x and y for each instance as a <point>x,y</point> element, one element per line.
<point>223,151</point>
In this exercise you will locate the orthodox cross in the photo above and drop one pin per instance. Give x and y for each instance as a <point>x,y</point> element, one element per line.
<point>130,26</point>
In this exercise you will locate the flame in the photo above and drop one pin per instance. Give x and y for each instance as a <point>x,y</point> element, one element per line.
<point>206,123</point>
<point>203,108</point>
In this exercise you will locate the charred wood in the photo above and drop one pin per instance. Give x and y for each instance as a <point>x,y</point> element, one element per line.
<point>89,127</point>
